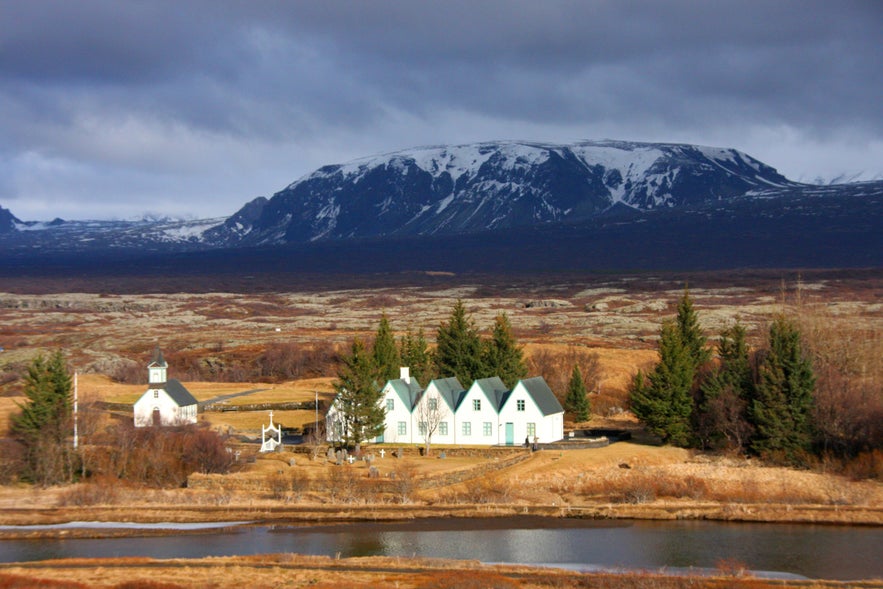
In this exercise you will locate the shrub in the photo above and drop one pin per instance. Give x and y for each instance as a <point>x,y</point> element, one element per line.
<point>161,457</point>
<point>100,491</point>
<point>12,460</point>
<point>867,465</point>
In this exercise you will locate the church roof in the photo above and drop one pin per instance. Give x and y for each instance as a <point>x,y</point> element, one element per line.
<point>179,393</point>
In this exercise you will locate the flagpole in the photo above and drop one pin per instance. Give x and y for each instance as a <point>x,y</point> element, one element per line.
<point>76,399</point>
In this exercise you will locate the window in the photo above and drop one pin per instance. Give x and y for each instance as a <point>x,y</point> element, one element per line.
<point>390,404</point>
<point>443,428</point>
<point>156,394</point>
<point>531,430</point>
<point>421,428</point>
<point>403,428</point>
<point>519,405</point>
<point>467,428</point>
<point>433,404</point>
<point>488,429</point>
<point>476,404</point>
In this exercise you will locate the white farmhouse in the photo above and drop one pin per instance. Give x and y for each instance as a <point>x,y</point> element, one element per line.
<point>436,410</point>
<point>532,413</point>
<point>166,402</point>
<point>488,414</point>
<point>399,398</point>
<point>478,417</point>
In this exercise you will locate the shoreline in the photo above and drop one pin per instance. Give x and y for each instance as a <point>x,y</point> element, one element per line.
<point>134,520</point>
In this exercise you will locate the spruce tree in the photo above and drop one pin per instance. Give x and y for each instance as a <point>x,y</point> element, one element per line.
<point>502,356</point>
<point>415,354</point>
<point>458,351</point>
<point>576,402</point>
<point>691,333</point>
<point>385,351</point>
<point>723,398</point>
<point>662,400</point>
<point>358,396</point>
<point>783,403</point>
<point>44,424</point>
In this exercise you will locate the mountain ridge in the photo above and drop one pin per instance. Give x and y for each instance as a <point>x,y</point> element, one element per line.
<point>492,185</point>
<point>510,192</point>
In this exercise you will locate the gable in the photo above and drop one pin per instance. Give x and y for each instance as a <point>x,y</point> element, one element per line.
<point>450,390</point>
<point>407,393</point>
<point>537,389</point>
<point>494,390</point>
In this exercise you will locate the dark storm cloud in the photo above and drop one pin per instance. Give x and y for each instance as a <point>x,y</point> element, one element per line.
<point>197,106</point>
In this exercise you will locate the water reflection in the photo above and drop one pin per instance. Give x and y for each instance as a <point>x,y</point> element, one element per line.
<point>834,552</point>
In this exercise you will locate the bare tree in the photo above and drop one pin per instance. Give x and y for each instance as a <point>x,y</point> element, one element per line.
<point>431,412</point>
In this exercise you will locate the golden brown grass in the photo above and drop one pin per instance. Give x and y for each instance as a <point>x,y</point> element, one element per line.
<point>291,570</point>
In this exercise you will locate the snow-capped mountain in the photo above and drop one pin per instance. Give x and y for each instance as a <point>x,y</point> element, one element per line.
<point>8,222</point>
<point>143,234</point>
<point>502,206</point>
<point>488,186</point>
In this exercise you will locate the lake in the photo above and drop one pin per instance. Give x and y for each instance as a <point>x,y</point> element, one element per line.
<point>815,551</point>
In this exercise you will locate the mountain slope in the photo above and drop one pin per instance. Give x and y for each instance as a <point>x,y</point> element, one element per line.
<point>8,221</point>
<point>486,186</point>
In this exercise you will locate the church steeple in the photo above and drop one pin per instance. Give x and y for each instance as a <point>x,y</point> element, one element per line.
<point>156,370</point>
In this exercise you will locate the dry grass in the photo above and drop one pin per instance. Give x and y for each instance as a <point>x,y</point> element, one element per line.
<point>291,570</point>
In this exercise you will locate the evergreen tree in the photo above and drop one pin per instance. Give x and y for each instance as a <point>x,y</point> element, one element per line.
<point>691,333</point>
<point>502,356</point>
<point>358,396</point>
<point>44,424</point>
<point>386,354</point>
<point>576,402</point>
<point>415,354</point>
<point>723,398</point>
<point>662,399</point>
<point>458,351</point>
<point>783,403</point>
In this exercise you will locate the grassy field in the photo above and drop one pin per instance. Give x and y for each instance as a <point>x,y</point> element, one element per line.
<point>108,337</point>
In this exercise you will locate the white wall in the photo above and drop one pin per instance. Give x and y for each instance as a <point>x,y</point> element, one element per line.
<point>486,413</point>
<point>170,413</point>
<point>400,413</point>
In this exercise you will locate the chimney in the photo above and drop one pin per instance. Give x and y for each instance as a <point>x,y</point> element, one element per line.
<point>405,374</point>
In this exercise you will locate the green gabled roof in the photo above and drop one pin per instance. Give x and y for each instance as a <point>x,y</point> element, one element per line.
<point>450,390</point>
<point>495,391</point>
<point>542,395</point>
<point>407,392</point>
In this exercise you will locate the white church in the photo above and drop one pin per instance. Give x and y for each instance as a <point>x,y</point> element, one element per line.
<point>487,414</point>
<point>166,402</point>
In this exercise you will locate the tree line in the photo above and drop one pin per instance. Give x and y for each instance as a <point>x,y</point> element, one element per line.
<point>763,402</point>
<point>460,352</point>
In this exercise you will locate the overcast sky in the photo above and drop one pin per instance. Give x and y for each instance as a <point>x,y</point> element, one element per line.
<point>112,109</point>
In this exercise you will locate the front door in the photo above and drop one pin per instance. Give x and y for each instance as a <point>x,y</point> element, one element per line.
<point>157,418</point>
<point>510,434</point>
